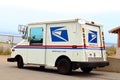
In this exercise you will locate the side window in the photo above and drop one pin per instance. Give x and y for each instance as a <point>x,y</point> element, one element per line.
<point>36,36</point>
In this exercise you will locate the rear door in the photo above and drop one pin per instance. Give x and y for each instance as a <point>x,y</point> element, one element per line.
<point>93,42</point>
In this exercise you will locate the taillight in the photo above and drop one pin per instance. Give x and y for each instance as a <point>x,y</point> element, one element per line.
<point>84,40</point>
<point>103,40</point>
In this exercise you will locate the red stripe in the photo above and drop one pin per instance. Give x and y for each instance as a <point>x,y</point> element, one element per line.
<point>58,46</point>
<point>93,47</point>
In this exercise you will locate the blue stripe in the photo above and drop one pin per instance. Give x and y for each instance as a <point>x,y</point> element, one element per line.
<point>61,48</point>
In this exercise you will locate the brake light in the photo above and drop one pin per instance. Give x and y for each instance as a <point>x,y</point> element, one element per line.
<point>84,40</point>
<point>103,40</point>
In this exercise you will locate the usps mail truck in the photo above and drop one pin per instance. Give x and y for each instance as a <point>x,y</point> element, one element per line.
<point>66,44</point>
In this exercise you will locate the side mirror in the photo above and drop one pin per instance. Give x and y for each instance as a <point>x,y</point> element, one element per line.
<point>22,28</point>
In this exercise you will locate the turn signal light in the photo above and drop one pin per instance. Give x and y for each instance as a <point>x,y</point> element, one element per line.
<point>13,50</point>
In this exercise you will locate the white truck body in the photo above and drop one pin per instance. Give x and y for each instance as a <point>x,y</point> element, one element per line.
<point>45,43</point>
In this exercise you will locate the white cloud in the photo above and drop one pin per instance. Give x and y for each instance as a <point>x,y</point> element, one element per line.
<point>65,6</point>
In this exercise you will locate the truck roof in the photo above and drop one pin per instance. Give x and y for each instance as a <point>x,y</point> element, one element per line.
<point>57,21</point>
<point>65,21</point>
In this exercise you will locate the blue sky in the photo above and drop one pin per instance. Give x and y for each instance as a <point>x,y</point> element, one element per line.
<point>15,12</point>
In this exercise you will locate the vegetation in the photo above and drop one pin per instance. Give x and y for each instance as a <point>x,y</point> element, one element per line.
<point>7,52</point>
<point>2,42</point>
<point>111,50</point>
<point>5,49</point>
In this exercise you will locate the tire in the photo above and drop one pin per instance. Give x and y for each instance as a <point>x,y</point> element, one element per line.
<point>86,69</point>
<point>20,62</point>
<point>64,66</point>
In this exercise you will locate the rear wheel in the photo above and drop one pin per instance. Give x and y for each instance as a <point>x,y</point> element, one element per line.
<point>64,66</point>
<point>86,69</point>
<point>20,62</point>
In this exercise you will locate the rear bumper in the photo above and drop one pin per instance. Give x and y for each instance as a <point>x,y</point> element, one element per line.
<point>11,59</point>
<point>92,64</point>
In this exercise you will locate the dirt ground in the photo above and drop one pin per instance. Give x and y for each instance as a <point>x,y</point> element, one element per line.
<point>9,71</point>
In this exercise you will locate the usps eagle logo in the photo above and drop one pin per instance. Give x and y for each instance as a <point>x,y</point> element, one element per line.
<point>92,36</point>
<point>59,34</point>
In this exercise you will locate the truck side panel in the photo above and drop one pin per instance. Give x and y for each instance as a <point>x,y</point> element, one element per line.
<point>64,39</point>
